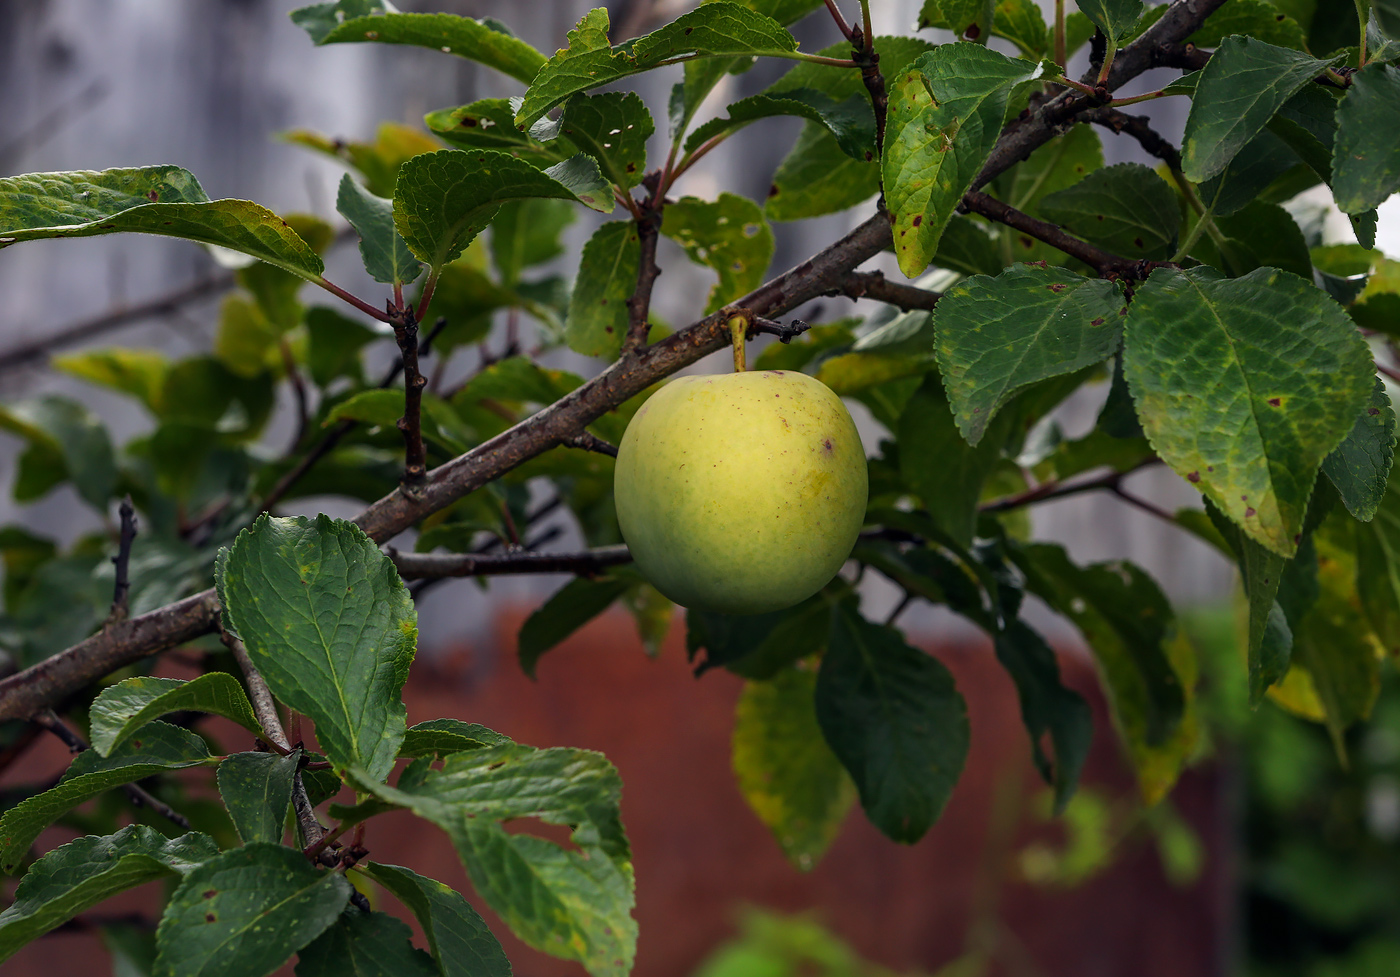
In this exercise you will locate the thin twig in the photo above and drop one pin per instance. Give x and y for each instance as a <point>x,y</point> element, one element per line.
<point>1107,264</point>
<point>265,709</point>
<point>648,233</point>
<point>1140,128</point>
<point>874,285</point>
<point>49,720</point>
<point>423,566</point>
<point>411,423</point>
<point>841,24</point>
<point>289,364</point>
<point>1055,489</point>
<point>863,54</point>
<point>785,331</point>
<point>39,349</point>
<point>588,441</point>
<point>121,589</point>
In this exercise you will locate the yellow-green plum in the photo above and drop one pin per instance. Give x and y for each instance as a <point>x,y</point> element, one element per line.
<point>741,493</point>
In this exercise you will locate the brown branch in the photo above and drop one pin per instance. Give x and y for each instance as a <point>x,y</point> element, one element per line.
<point>639,305</point>
<point>39,349</point>
<point>422,566</point>
<point>1140,128</point>
<point>289,364</point>
<point>587,441</point>
<point>1107,264</point>
<point>785,331</point>
<point>1055,489</point>
<point>411,424</point>
<point>121,590</point>
<point>863,54</point>
<point>265,709</point>
<point>874,285</point>
<point>1028,133</point>
<point>23,694</point>
<point>49,720</point>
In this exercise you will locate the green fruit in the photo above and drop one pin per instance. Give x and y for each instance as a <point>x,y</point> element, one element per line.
<point>741,493</point>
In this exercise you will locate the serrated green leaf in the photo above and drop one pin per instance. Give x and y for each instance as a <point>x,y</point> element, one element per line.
<point>1245,82</point>
<point>576,903</point>
<point>613,128</point>
<point>383,408</point>
<point>1021,23</point>
<point>378,161</point>
<point>1126,208</point>
<point>124,708</point>
<point>970,19</point>
<point>944,118</point>
<point>851,122</point>
<point>445,199</point>
<point>1148,671</point>
<point>722,29</point>
<point>1307,124</point>
<point>939,465</point>
<point>329,625</point>
<point>729,235</point>
<point>995,336</point>
<point>786,772</point>
<point>817,177</point>
<point>365,944</point>
<point>1116,18</point>
<point>1047,707</point>
<point>1259,19</point>
<point>1360,466</point>
<point>351,21</point>
<point>157,748</point>
<point>757,646</point>
<point>893,717</point>
<point>443,736</point>
<point>570,608</point>
<point>965,247</point>
<point>386,256</point>
<point>461,943</point>
<point>926,572</point>
<point>68,439</point>
<point>257,790</point>
<point>1259,235</point>
<point>245,912</point>
<point>164,200</point>
<point>1343,268</point>
<point>607,276</point>
<point>1263,160</point>
<point>138,372</point>
<point>1243,386</point>
<point>82,873</point>
<point>1366,157</point>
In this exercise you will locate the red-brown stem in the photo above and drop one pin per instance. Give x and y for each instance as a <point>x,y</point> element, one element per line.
<point>841,24</point>
<point>357,302</point>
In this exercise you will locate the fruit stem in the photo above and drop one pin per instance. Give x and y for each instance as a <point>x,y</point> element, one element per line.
<point>738,329</point>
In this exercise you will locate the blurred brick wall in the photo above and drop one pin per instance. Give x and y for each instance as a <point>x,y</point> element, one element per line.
<point>700,854</point>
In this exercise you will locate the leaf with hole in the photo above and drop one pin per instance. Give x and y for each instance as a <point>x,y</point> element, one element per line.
<point>729,235</point>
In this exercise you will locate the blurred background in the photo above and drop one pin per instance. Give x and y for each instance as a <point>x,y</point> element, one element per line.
<point>1270,860</point>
